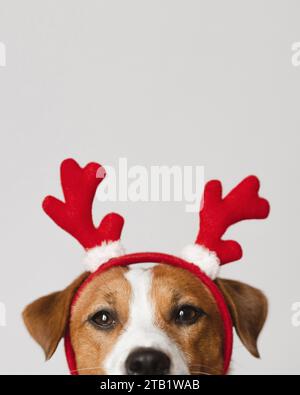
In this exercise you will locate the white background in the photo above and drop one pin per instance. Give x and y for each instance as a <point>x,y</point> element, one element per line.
<point>161,83</point>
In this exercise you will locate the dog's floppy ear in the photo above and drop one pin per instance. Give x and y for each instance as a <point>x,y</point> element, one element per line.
<point>248,307</point>
<point>46,318</point>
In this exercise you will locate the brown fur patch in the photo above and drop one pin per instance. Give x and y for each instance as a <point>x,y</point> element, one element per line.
<point>109,290</point>
<point>201,342</point>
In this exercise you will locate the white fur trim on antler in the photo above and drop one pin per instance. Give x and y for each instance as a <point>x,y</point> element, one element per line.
<point>96,256</point>
<point>205,259</point>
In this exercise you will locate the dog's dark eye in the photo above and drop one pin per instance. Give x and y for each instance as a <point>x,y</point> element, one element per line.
<point>187,315</point>
<point>103,319</point>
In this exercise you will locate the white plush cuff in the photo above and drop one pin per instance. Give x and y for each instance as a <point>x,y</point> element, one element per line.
<point>205,259</point>
<point>96,256</point>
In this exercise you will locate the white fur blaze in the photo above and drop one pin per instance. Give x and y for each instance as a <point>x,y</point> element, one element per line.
<point>140,330</point>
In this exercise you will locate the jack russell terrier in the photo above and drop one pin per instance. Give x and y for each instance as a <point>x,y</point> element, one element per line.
<point>149,312</point>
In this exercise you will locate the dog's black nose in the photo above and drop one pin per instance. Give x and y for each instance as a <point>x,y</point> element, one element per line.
<point>147,361</point>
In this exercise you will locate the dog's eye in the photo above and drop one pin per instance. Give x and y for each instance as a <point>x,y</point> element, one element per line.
<point>103,319</point>
<point>187,315</point>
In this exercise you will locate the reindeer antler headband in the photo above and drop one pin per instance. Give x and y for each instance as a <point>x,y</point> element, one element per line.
<point>104,249</point>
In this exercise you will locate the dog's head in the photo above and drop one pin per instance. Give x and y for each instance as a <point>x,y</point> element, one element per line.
<point>147,319</point>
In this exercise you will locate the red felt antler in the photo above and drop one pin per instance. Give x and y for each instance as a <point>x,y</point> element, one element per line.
<point>75,214</point>
<point>218,214</point>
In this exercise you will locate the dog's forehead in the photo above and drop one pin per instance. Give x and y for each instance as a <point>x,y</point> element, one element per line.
<point>117,285</point>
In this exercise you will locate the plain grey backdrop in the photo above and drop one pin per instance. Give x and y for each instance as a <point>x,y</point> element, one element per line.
<point>161,83</point>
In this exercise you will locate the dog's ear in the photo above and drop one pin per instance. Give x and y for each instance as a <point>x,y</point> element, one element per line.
<point>46,318</point>
<point>248,307</point>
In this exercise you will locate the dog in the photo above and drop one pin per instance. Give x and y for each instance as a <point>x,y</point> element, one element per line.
<point>149,313</point>
<point>147,319</point>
